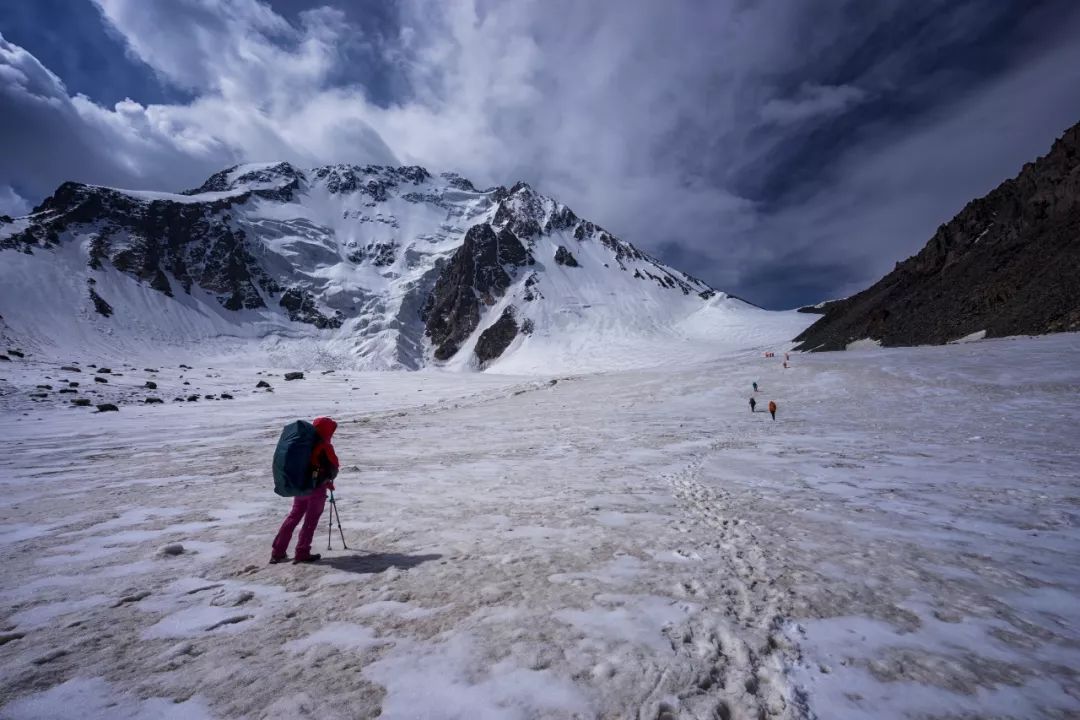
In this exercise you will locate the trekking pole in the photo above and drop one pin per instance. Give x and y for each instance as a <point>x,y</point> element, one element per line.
<point>330,529</point>
<point>330,526</point>
<point>335,511</point>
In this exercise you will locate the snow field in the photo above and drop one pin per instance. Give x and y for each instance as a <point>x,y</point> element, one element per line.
<point>901,542</point>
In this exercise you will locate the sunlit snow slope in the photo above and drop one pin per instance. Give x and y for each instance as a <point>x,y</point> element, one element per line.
<point>369,267</point>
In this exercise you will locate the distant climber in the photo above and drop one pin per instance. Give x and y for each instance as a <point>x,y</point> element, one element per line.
<point>315,475</point>
<point>753,404</point>
<point>772,409</point>
<point>755,387</point>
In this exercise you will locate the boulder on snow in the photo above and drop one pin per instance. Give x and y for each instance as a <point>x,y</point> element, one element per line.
<point>107,407</point>
<point>172,549</point>
<point>262,384</point>
<point>80,402</point>
<point>5,358</point>
<point>152,400</point>
<point>67,390</point>
<point>150,385</point>
<point>192,398</point>
<point>104,370</point>
<point>15,353</point>
<point>100,380</point>
<point>294,376</point>
<point>226,396</point>
<point>70,368</point>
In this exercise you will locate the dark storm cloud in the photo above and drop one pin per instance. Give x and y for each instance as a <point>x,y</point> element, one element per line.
<point>786,152</point>
<point>71,39</point>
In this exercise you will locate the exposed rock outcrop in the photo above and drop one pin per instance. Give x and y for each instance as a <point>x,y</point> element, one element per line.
<point>193,242</point>
<point>477,273</point>
<point>565,257</point>
<point>302,307</point>
<point>102,307</point>
<point>494,341</point>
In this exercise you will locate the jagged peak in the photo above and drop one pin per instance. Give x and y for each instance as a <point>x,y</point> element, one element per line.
<point>411,173</point>
<point>458,182</point>
<point>249,173</point>
<point>373,180</point>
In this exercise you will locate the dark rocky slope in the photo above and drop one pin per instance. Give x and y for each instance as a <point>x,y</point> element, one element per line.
<point>475,276</point>
<point>1008,264</point>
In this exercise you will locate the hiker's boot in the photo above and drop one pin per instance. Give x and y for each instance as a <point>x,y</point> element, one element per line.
<point>307,558</point>
<point>275,559</point>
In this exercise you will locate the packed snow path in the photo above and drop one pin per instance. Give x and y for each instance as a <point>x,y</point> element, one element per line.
<point>901,542</point>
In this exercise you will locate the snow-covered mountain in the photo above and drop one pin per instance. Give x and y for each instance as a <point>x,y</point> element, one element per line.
<point>383,267</point>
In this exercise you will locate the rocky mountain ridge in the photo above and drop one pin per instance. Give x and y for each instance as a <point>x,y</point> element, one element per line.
<point>398,267</point>
<point>1007,264</point>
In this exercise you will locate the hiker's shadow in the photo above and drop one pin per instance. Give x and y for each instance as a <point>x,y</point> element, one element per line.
<point>376,562</point>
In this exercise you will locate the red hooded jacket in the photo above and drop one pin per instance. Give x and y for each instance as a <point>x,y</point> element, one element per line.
<point>323,457</point>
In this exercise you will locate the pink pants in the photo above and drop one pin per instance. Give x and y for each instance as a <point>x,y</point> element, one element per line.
<point>307,508</point>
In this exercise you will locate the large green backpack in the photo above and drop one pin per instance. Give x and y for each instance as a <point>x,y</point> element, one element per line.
<point>292,459</point>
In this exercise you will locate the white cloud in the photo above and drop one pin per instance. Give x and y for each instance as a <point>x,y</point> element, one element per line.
<point>812,101</point>
<point>11,203</point>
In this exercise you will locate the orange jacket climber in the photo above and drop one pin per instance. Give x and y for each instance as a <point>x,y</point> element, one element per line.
<point>772,409</point>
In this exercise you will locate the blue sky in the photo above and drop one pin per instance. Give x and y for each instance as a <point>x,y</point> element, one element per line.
<point>785,151</point>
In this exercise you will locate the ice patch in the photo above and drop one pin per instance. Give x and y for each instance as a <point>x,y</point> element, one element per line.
<point>864,344</point>
<point>395,608</point>
<point>977,335</point>
<point>45,613</point>
<point>450,680</point>
<point>346,636</point>
<point>636,619</point>
<point>96,699</point>
<point>198,620</point>
<point>19,532</point>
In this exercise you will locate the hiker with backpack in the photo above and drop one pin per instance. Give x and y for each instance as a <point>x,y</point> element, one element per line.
<point>305,466</point>
<point>772,409</point>
<point>753,404</point>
